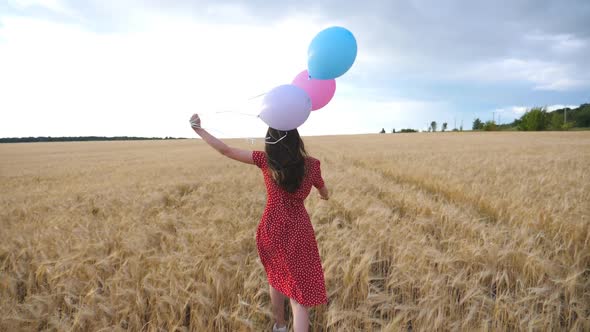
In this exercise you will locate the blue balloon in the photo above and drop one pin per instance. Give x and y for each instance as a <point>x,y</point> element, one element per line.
<point>331,53</point>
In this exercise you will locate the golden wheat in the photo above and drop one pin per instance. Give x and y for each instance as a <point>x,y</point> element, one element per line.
<point>454,231</point>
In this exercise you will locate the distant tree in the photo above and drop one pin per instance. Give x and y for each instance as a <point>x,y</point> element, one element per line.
<point>477,124</point>
<point>490,126</point>
<point>567,126</point>
<point>461,128</point>
<point>556,122</point>
<point>382,131</point>
<point>408,130</point>
<point>582,116</point>
<point>535,119</point>
<point>393,131</point>
<point>516,123</point>
<point>433,126</point>
<point>444,126</point>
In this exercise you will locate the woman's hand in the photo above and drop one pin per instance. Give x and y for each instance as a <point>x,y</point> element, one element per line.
<point>195,121</point>
<point>324,193</point>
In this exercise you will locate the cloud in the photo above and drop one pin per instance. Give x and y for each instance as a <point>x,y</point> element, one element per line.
<point>552,108</point>
<point>411,38</point>
<point>418,61</point>
<point>517,110</point>
<point>510,113</point>
<point>351,115</point>
<point>101,83</point>
<point>55,6</point>
<point>544,75</point>
<point>558,42</point>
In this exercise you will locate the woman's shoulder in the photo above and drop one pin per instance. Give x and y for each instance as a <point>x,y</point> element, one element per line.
<point>312,160</point>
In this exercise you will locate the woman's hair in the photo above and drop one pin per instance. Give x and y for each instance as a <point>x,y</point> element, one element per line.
<point>286,158</point>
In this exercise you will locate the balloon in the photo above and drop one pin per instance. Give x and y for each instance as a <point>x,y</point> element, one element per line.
<point>320,91</point>
<point>285,107</point>
<point>331,53</point>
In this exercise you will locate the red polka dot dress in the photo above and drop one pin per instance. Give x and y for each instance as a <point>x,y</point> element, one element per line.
<point>285,238</point>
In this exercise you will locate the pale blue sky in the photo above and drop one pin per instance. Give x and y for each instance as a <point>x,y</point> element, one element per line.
<point>141,68</point>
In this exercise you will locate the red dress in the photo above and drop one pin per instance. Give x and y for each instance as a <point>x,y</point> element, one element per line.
<point>285,238</point>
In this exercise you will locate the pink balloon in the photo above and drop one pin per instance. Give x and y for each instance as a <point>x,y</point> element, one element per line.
<point>320,91</point>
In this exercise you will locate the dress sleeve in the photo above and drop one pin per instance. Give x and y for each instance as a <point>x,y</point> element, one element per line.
<point>259,158</point>
<point>318,181</point>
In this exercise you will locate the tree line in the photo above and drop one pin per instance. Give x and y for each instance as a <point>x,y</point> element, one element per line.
<point>534,119</point>
<point>538,119</point>
<point>406,130</point>
<point>432,127</point>
<point>80,139</point>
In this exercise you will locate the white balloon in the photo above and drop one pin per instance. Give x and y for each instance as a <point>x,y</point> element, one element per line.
<point>285,107</point>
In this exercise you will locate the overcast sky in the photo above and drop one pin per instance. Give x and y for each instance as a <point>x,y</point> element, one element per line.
<point>141,68</point>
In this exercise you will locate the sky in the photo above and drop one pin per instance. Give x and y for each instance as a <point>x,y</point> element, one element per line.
<point>142,68</point>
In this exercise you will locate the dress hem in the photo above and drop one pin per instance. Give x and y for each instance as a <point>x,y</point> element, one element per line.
<point>309,304</point>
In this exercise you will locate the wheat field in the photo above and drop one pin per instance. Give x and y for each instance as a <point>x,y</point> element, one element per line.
<point>423,232</point>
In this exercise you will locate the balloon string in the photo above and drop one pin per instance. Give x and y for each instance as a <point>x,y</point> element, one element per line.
<point>260,95</point>
<point>251,140</point>
<point>242,113</point>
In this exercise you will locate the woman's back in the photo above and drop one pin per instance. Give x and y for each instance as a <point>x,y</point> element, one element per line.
<point>312,177</point>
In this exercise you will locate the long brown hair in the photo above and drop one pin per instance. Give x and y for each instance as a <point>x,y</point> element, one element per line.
<point>286,158</point>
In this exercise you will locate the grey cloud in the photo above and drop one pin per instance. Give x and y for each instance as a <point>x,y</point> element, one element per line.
<point>433,39</point>
<point>419,39</point>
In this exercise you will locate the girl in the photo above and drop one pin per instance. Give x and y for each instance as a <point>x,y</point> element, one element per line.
<point>285,238</point>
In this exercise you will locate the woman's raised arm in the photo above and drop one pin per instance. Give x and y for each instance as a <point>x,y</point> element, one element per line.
<point>244,156</point>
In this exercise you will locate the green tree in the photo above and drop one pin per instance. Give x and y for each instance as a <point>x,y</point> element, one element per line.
<point>477,124</point>
<point>556,122</point>
<point>490,126</point>
<point>433,126</point>
<point>382,131</point>
<point>582,116</point>
<point>534,120</point>
<point>444,126</point>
